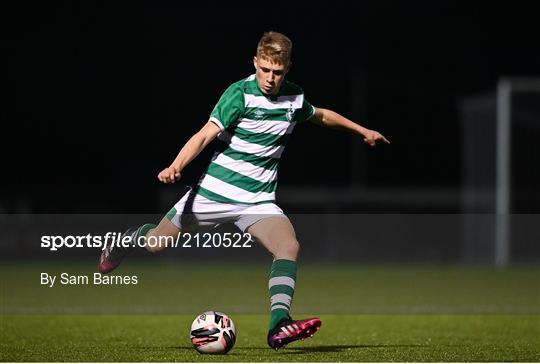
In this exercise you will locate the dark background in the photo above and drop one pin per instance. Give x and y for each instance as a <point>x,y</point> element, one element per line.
<point>100,96</point>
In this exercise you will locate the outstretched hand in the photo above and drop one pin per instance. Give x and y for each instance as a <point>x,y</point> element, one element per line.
<point>371,137</point>
<point>169,175</point>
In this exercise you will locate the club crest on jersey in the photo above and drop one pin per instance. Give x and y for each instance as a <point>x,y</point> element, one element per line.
<point>290,113</point>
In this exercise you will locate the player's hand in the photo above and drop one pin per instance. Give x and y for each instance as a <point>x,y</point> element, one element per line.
<point>371,137</point>
<point>169,175</point>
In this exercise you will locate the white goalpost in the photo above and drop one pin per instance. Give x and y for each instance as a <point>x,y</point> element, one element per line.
<point>505,89</point>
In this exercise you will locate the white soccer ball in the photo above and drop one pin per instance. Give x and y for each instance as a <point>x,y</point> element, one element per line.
<point>213,332</point>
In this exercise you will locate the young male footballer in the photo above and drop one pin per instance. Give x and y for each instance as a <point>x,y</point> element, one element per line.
<point>252,121</point>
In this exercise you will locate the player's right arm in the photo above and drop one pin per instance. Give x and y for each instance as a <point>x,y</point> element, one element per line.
<point>188,152</point>
<point>228,109</point>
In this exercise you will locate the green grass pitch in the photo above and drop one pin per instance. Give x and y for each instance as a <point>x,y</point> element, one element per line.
<point>373,313</point>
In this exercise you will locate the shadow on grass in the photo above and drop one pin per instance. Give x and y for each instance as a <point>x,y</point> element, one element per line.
<point>338,348</point>
<point>244,351</point>
<point>166,348</point>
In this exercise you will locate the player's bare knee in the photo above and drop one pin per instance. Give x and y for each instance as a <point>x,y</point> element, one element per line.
<point>294,248</point>
<point>288,250</point>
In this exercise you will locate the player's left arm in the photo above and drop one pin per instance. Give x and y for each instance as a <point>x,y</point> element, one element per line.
<point>334,120</point>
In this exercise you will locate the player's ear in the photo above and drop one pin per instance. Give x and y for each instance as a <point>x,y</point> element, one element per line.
<point>255,62</point>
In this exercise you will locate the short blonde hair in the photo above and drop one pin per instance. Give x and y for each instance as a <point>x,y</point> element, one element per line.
<point>275,47</point>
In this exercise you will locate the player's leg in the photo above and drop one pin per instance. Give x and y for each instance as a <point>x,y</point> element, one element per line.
<point>162,236</point>
<point>277,235</point>
<point>153,238</point>
<point>188,214</point>
<point>148,236</point>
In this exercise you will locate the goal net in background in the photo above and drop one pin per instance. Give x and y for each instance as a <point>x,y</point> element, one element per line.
<point>501,173</point>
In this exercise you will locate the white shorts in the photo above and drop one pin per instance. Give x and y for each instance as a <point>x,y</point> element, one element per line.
<point>196,212</point>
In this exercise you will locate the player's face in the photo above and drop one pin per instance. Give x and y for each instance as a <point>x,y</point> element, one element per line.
<point>269,75</point>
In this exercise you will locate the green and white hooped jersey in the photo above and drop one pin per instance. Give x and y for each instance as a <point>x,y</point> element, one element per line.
<point>255,129</point>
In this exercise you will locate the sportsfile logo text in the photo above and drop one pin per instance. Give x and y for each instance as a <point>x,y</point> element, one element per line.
<point>55,242</point>
<point>185,240</point>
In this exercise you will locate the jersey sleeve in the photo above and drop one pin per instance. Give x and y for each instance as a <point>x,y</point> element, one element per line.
<point>305,112</point>
<point>229,107</point>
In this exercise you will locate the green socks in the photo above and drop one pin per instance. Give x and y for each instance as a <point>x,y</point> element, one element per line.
<point>143,230</point>
<point>281,287</point>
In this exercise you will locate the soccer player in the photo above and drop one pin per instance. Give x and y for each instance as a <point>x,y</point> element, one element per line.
<point>252,121</point>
